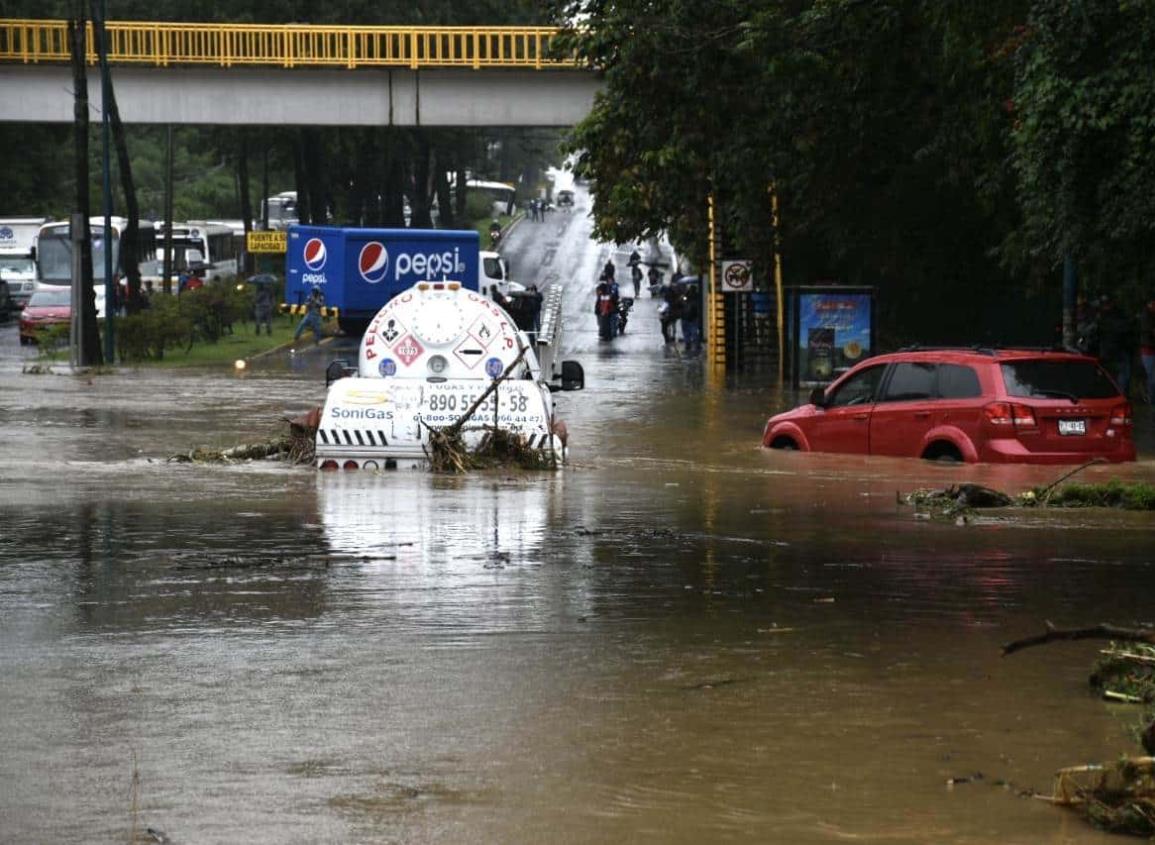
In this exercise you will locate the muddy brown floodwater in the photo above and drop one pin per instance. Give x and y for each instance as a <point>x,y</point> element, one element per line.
<point>680,638</point>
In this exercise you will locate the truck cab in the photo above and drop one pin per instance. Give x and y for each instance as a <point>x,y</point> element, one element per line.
<point>495,273</point>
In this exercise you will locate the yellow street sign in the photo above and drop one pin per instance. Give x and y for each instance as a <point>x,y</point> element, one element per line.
<point>267,242</point>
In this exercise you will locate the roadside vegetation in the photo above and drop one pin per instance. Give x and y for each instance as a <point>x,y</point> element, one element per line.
<point>208,326</point>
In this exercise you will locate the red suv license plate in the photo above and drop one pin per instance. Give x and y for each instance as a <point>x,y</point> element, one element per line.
<point>1074,427</point>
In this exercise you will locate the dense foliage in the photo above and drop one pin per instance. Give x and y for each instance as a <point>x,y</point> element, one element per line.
<point>951,154</point>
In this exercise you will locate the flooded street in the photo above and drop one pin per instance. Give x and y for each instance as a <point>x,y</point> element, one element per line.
<point>681,637</point>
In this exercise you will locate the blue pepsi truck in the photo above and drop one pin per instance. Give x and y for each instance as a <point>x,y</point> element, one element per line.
<point>359,270</point>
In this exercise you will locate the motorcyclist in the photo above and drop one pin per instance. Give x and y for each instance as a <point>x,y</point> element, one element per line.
<point>605,307</point>
<point>654,279</point>
<point>608,272</point>
<point>494,232</point>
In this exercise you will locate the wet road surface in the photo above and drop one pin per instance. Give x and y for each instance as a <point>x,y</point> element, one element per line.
<point>679,638</point>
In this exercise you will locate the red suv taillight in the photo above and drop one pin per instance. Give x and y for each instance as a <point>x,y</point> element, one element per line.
<point>1121,414</point>
<point>1011,414</point>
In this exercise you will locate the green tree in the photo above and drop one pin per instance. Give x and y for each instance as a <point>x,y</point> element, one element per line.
<point>1084,129</point>
<point>881,124</point>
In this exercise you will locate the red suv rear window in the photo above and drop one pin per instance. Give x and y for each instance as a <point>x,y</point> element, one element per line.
<point>1057,379</point>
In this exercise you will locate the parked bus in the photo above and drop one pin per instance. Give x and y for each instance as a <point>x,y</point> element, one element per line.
<point>501,196</point>
<point>54,250</point>
<point>201,242</point>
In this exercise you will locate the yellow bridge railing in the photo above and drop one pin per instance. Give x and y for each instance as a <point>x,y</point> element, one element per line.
<point>291,45</point>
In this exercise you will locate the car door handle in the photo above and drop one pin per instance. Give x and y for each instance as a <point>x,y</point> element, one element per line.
<point>921,415</point>
<point>860,417</point>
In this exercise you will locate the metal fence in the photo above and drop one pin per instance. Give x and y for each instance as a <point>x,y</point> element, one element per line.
<point>290,45</point>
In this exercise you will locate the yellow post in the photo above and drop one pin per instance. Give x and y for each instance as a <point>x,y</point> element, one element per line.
<point>781,307</point>
<point>715,312</point>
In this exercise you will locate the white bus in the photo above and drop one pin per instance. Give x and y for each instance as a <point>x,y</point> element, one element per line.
<point>501,196</point>
<point>201,241</point>
<point>54,250</point>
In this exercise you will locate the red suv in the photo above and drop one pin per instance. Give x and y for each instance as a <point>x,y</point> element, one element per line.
<point>998,405</point>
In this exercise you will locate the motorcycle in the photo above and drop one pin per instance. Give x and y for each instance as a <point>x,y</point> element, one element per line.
<point>494,236</point>
<point>624,306</point>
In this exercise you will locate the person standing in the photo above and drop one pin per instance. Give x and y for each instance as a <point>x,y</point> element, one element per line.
<point>534,301</point>
<point>263,309</point>
<point>616,297</point>
<point>605,307</point>
<point>1147,347</point>
<point>312,319</point>
<point>669,312</point>
<point>1116,343</point>
<point>691,319</point>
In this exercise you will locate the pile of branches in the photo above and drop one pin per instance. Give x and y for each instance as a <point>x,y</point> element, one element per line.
<point>1126,673</point>
<point>960,499</point>
<point>296,447</point>
<point>1118,797</point>
<point>447,452</point>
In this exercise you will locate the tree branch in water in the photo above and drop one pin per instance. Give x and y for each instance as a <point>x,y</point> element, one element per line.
<point>1098,632</point>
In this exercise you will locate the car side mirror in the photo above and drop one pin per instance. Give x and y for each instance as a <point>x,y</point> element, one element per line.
<point>818,397</point>
<point>573,377</point>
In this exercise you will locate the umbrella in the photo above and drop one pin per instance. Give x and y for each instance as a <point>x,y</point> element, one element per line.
<point>262,279</point>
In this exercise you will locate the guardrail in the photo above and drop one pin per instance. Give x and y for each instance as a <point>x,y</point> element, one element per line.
<point>291,45</point>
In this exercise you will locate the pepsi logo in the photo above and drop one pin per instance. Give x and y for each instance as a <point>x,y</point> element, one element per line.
<point>373,262</point>
<point>315,254</point>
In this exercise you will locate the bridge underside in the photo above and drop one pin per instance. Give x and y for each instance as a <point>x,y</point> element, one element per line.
<point>303,97</point>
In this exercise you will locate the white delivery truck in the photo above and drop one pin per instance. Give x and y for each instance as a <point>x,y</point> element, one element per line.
<point>18,256</point>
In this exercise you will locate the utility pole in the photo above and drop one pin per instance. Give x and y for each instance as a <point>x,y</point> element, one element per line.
<point>167,285</point>
<point>110,282</point>
<point>1070,299</point>
<point>86,350</point>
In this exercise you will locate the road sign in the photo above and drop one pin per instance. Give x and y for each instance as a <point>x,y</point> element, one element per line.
<point>267,242</point>
<point>737,276</point>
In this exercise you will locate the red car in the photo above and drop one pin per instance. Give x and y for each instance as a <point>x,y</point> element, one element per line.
<point>47,307</point>
<point>996,405</point>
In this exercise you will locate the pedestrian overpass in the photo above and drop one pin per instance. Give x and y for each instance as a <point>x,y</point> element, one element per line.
<point>300,75</point>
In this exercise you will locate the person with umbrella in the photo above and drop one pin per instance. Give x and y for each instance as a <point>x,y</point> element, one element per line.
<point>263,302</point>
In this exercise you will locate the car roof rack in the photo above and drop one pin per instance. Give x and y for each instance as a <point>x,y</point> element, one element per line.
<point>991,348</point>
<point>976,348</point>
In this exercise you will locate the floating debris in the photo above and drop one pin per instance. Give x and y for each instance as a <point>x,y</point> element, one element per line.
<point>957,502</point>
<point>296,447</point>
<point>1126,673</point>
<point>1119,797</point>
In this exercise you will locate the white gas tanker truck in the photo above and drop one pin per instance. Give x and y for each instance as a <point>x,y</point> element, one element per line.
<point>424,360</point>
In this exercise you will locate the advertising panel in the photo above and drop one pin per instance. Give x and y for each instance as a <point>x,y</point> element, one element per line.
<point>359,270</point>
<point>832,329</point>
